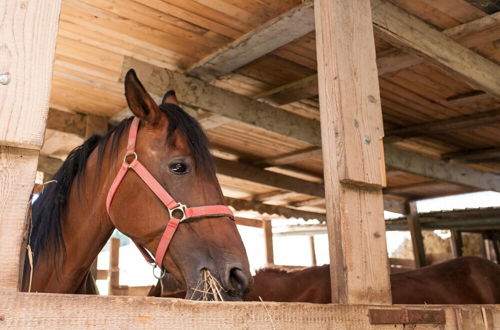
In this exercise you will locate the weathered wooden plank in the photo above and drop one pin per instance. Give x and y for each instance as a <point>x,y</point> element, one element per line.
<point>44,311</point>
<point>352,132</point>
<point>267,227</point>
<point>456,243</point>
<point>440,170</point>
<point>255,174</point>
<point>114,266</point>
<point>293,157</point>
<point>68,122</point>
<point>17,177</point>
<point>256,223</point>
<point>95,125</point>
<point>27,30</point>
<point>488,6</point>
<point>474,156</point>
<point>409,32</point>
<point>269,36</point>
<point>444,126</point>
<point>312,246</point>
<point>417,240</point>
<point>200,95</point>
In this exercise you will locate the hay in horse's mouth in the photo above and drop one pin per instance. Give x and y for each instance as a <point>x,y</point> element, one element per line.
<point>208,287</point>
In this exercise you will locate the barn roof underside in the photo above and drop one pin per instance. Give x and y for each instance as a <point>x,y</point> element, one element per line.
<point>459,121</point>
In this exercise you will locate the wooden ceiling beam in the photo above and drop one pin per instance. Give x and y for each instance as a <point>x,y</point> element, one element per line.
<point>388,62</point>
<point>269,36</point>
<point>49,166</point>
<point>201,95</point>
<point>443,126</point>
<point>411,33</point>
<point>437,169</point>
<point>293,157</point>
<point>474,156</point>
<point>67,122</point>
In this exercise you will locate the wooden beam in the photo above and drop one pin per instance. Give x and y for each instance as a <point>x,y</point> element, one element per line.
<point>488,6</point>
<point>474,156</point>
<point>417,240</point>
<point>267,227</point>
<point>291,92</point>
<point>114,266</point>
<point>411,33</point>
<point>352,132</point>
<point>456,243</point>
<point>200,95</point>
<point>269,36</point>
<point>440,170</point>
<point>95,125</point>
<point>256,223</point>
<point>444,126</point>
<point>245,205</point>
<point>280,181</point>
<point>67,122</point>
<point>276,195</point>
<point>57,311</point>
<point>28,29</point>
<point>387,63</point>
<point>293,157</point>
<point>312,246</point>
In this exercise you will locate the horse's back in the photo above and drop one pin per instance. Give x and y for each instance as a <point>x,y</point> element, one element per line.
<point>465,280</point>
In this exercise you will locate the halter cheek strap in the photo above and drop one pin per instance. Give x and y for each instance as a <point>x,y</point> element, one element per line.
<point>178,212</point>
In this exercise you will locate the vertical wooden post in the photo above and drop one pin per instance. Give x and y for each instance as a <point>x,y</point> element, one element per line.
<point>268,241</point>
<point>314,262</point>
<point>28,31</point>
<point>456,243</point>
<point>114,267</point>
<point>417,241</point>
<point>352,133</point>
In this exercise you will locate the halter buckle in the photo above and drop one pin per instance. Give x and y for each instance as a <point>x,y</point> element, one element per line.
<point>179,212</point>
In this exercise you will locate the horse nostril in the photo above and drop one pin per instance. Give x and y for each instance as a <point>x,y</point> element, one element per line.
<point>239,280</point>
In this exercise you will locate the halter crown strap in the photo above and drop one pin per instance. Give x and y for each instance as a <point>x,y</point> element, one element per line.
<point>178,212</point>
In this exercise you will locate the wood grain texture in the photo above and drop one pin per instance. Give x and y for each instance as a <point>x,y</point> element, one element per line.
<point>17,177</point>
<point>409,32</point>
<point>200,95</point>
<point>56,311</point>
<point>352,132</point>
<point>417,240</point>
<point>269,36</point>
<point>28,32</point>
<point>440,170</point>
<point>267,227</point>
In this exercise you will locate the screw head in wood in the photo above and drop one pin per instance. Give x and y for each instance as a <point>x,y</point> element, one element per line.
<point>4,78</point>
<point>367,139</point>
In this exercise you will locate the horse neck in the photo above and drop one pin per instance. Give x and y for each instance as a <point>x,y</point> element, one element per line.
<point>86,227</point>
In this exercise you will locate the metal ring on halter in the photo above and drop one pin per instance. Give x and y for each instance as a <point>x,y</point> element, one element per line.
<point>179,208</point>
<point>162,274</point>
<point>133,160</point>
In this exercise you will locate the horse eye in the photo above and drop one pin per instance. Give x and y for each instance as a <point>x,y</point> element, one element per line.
<point>178,168</point>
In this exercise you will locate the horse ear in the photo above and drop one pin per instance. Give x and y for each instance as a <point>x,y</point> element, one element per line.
<point>138,99</point>
<point>170,98</point>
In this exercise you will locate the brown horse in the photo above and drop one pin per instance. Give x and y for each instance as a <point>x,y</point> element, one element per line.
<point>70,224</point>
<point>466,280</point>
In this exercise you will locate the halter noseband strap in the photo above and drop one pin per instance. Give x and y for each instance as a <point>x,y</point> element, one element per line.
<point>178,212</point>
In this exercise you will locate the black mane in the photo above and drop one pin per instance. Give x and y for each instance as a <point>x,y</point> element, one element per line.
<point>48,209</point>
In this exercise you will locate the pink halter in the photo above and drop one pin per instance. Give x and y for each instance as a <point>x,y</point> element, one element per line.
<point>178,212</point>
